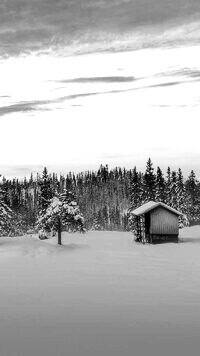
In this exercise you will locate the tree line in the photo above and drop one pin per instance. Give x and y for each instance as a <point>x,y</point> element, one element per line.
<point>104,197</point>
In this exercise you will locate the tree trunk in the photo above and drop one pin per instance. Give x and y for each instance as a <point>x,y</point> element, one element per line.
<point>59,232</point>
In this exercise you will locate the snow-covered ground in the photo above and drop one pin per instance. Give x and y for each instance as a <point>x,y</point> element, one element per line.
<point>101,294</point>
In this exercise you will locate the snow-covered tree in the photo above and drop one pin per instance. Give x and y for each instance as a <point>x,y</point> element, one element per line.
<point>62,214</point>
<point>181,199</point>
<point>181,192</point>
<point>173,191</point>
<point>192,197</point>
<point>6,216</point>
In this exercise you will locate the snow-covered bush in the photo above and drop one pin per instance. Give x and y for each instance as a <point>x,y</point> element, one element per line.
<point>132,225</point>
<point>43,235</point>
<point>183,221</point>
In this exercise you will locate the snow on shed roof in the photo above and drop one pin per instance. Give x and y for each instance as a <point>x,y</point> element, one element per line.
<point>143,209</point>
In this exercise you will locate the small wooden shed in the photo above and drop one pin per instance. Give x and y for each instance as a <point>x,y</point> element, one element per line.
<point>156,222</point>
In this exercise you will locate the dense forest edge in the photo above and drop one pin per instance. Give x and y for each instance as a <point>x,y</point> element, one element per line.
<point>103,198</point>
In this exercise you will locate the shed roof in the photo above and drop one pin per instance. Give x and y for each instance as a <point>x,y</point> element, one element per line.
<point>143,209</point>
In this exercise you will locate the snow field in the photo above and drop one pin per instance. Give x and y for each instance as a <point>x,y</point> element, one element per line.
<point>100,294</point>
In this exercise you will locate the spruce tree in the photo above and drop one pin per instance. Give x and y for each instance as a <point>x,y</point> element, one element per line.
<point>45,191</point>
<point>149,182</point>
<point>136,189</point>
<point>168,187</point>
<point>160,193</point>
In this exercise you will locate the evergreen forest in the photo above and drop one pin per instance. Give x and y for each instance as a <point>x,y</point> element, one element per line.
<point>105,197</point>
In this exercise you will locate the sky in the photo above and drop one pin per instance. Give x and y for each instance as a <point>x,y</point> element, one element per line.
<point>90,82</point>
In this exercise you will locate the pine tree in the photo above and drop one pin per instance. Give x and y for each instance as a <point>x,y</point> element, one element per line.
<point>160,193</point>
<point>149,182</point>
<point>63,213</point>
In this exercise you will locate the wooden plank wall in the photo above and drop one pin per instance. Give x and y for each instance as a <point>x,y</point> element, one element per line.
<point>163,222</point>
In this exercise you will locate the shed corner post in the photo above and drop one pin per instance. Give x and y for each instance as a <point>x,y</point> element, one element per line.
<point>142,227</point>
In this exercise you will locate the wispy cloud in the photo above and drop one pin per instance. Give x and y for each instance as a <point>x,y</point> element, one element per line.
<point>38,105</point>
<point>14,108</point>
<point>182,72</point>
<point>114,79</point>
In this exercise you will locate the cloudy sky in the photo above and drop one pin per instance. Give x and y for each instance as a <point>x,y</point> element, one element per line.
<point>85,82</point>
